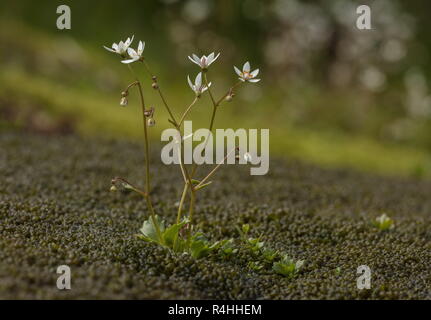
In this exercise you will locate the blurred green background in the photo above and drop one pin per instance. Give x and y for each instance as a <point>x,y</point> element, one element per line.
<point>331,94</point>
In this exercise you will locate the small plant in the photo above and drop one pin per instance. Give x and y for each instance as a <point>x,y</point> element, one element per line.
<point>383,222</point>
<point>228,249</point>
<point>287,267</point>
<point>264,259</point>
<point>179,236</point>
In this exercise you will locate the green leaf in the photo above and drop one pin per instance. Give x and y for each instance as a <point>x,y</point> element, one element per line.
<point>142,237</point>
<point>203,186</point>
<point>171,233</point>
<point>194,181</point>
<point>245,228</point>
<point>198,249</point>
<point>287,267</point>
<point>149,230</point>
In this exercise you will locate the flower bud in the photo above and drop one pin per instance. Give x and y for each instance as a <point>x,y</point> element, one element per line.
<point>124,94</point>
<point>228,98</point>
<point>151,122</point>
<point>124,102</point>
<point>155,86</point>
<point>113,188</point>
<point>149,112</point>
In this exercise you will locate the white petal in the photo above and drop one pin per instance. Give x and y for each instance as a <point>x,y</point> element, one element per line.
<point>254,73</point>
<point>109,49</point>
<point>216,57</point>
<point>203,62</point>
<point>195,62</point>
<point>254,80</point>
<point>241,79</point>
<point>132,53</point>
<point>238,72</point>
<point>129,60</point>
<point>198,80</point>
<point>141,47</point>
<point>210,58</point>
<point>246,67</point>
<point>190,83</point>
<point>129,41</point>
<point>196,58</point>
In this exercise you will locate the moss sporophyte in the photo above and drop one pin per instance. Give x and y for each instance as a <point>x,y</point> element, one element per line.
<point>181,236</point>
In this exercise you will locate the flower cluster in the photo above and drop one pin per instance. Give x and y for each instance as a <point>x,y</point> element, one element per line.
<point>180,236</point>
<point>123,49</point>
<point>131,55</point>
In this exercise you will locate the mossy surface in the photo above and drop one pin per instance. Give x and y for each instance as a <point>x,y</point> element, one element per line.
<point>56,208</point>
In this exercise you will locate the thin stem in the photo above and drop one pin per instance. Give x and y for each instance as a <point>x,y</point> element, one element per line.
<point>127,185</point>
<point>173,121</point>
<point>209,89</point>
<point>154,79</point>
<point>147,167</point>
<point>192,205</point>
<point>180,207</point>
<point>215,106</point>
<point>147,161</point>
<point>228,92</point>
<point>215,169</point>
<point>187,111</point>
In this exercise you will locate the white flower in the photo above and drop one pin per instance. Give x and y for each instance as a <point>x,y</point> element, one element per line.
<point>135,55</point>
<point>121,47</point>
<point>204,62</point>
<point>245,74</point>
<point>198,87</point>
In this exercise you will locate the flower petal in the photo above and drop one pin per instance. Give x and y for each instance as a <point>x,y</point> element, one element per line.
<point>132,53</point>
<point>238,72</point>
<point>190,83</point>
<point>254,73</point>
<point>215,58</point>
<point>254,80</point>
<point>196,58</point>
<point>109,49</point>
<point>141,47</point>
<point>129,61</point>
<point>210,58</point>
<point>246,67</point>
<point>198,80</point>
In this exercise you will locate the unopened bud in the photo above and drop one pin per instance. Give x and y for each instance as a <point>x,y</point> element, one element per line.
<point>155,86</point>
<point>149,112</point>
<point>151,122</point>
<point>154,78</point>
<point>124,102</point>
<point>113,188</point>
<point>229,98</point>
<point>124,94</point>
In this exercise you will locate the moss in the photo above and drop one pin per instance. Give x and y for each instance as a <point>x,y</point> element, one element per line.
<point>56,208</point>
